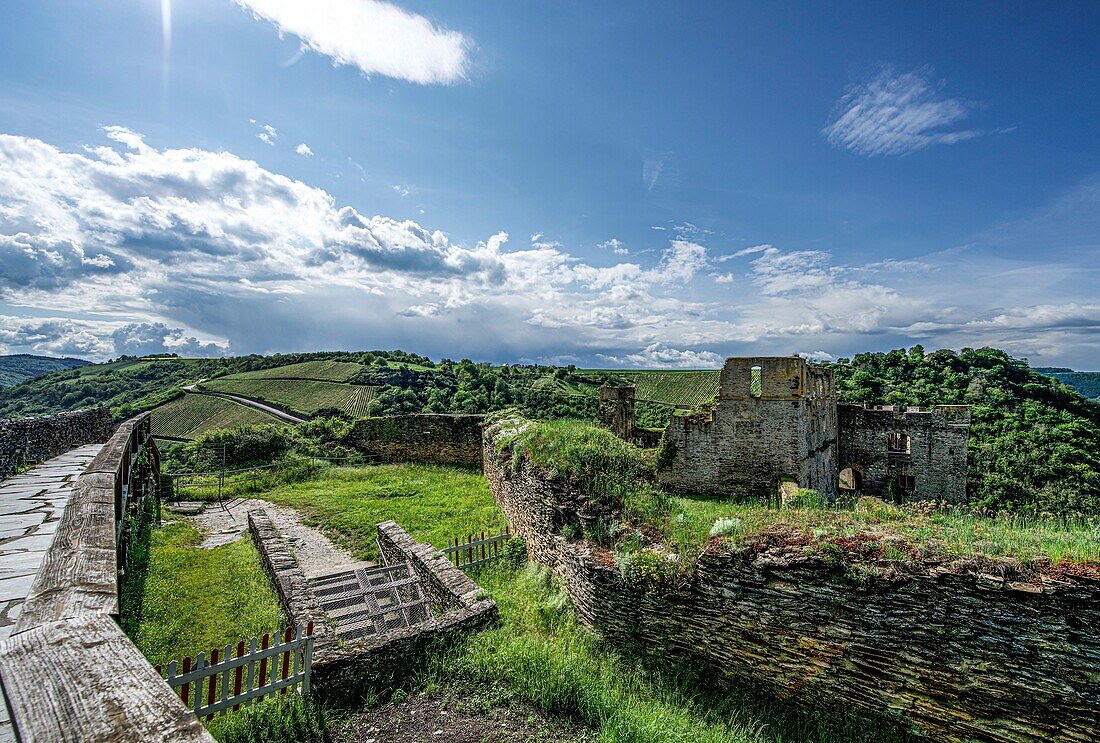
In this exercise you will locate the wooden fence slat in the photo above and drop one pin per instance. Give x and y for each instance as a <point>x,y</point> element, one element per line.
<point>228,654</point>
<point>186,687</point>
<point>212,684</point>
<point>251,666</point>
<point>288,635</point>
<point>263,667</point>
<point>200,663</point>
<point>237,675</point>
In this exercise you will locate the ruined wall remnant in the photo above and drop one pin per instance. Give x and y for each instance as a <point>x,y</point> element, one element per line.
<point>25,441</point>
<point>420,437</point>
<point>956,654</point>
<point>904,453</point>
<point>775,419</point>
<point>616,410</point>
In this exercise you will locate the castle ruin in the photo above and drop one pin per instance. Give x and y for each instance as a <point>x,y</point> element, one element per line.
<point>776,423</point>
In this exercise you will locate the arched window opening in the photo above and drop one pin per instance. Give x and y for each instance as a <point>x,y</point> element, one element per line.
<point>755,381</point>
<point>851,479</point>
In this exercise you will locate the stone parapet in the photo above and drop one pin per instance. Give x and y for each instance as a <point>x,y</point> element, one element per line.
<point>26,441</point>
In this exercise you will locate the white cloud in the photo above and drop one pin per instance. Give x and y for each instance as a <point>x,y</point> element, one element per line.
<point>897,113</point>
<point>377,37</point>
<point>267,134</point>
<point>184,248</point>
<point>657,356</point>
<point>304,150</point>
<point>651,171</point>
<point>401,190</point>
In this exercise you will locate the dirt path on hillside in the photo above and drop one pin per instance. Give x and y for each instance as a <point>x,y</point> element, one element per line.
<point>222,523</point>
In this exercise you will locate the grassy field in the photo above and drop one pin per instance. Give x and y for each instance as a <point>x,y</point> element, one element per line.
<point>192,415</point>
<point>195,599</point>
<point>431,502</point>
<point>303,396</point>
<point>332,371</point>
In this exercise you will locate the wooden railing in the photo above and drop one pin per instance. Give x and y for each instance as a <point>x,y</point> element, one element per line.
<point>219,682</point>
<point>473,549</point>
<point>69,672</point>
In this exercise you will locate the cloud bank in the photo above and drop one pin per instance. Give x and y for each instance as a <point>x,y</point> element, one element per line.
<point>129,248</point>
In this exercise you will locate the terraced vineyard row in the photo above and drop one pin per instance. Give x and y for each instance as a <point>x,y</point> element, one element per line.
<point>334,371</point>
<point>685,389</point>
<point>303,396</point>
<point>192,415</point>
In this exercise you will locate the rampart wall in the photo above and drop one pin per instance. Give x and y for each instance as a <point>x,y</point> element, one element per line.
<point>956,653</point>
<point>420,437</point>
<point>31,440</point>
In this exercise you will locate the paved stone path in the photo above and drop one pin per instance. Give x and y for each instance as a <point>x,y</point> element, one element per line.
<point>30,507</point>
<point>222,523</point>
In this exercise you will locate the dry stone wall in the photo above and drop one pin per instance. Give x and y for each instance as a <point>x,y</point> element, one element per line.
<point>957,654</point>
<point>420,437</point>
<point>31,440</point>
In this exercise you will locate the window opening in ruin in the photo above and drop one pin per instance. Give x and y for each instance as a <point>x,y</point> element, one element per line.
<point>851,479</point>
<point>908,483</point>
<point>754,381</point>
<point>898,443</point>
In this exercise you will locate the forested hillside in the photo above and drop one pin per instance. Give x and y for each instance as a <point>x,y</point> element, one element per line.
<point>1034,443</point>
<point>1087,383</point>
<point>21,366</point>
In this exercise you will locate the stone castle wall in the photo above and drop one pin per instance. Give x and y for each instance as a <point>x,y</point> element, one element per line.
<point>26,441</point>
<point>956,654</point>
<point>922,451</point>
<point>616,410</point>
<point>758,435</point>
<point>420,437</point>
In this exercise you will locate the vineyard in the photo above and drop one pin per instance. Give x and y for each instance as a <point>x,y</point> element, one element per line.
<point>330,371</point>
<point>190,416</point>
<point>299,395</point>
<point>684,389</point>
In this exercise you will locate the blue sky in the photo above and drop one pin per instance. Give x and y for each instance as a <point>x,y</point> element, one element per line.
<point>635,184</point>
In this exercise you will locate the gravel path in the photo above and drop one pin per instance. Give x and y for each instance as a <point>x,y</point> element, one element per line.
<point>225,523</point>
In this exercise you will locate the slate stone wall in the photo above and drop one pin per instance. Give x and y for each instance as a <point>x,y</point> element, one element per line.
<point>755,438</point>
<point>420,437</point>
<point>929,465</point>
<point>955,653</point>
<point>25,441</point>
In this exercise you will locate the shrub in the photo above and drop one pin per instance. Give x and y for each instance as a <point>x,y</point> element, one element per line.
<point>514,551</point>
<point>647,568</point>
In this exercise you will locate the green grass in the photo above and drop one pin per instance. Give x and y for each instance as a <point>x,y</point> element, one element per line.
<point>542,655</point>
<point>191,415</point>
<point>196,600</point>
<point>303,396</point>
<point>431,502</point>
<point>333,371</point>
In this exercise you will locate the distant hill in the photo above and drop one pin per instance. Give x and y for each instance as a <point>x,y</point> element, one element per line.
<point>20,366</point>
<point>1085,383</point>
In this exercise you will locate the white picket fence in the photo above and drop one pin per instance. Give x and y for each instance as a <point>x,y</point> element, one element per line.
<point>218,682</point>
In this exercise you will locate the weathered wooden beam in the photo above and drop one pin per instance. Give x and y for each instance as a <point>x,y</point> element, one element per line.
<point>82,681</point>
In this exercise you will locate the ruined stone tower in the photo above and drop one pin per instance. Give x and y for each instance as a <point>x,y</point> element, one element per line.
<point>616,410</point>
<point>775,420</point>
